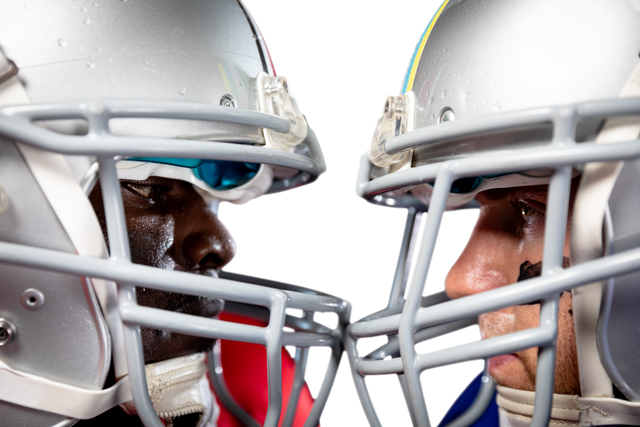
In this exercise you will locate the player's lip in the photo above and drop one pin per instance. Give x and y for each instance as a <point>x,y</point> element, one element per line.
<point>201,306</point>
<point>498,361</point>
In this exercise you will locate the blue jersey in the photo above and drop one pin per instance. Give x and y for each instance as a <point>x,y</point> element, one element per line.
<point>464,398</point>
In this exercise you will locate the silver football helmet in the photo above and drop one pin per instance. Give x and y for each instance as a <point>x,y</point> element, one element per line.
<point>503,94</point>
<point>131,90</point>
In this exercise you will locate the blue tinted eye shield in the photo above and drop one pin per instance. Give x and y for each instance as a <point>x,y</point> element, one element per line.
<point>226,175</point>
<point>220,175</point>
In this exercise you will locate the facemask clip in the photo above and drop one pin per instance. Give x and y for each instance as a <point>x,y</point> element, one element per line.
<point>396,120</point>
<point>275,99</point>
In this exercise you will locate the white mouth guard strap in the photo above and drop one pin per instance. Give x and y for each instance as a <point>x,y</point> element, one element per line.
<point>45,395</point>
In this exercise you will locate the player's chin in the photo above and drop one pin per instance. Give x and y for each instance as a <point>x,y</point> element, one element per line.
<point>508,370</point>
<point>163,345</point>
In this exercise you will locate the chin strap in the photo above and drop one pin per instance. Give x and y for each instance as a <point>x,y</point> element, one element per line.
<point>180,387</point>
<point>177,387</point>
<point>516,410</point>
<point>36,392</point>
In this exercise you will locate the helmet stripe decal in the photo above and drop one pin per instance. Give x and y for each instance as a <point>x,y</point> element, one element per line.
<point>225,78</point>
<point>417,54</point>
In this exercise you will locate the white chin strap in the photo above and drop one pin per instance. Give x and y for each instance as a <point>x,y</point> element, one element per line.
<point>515,408</point>
<point>180,387</point>
<point>177,387</point>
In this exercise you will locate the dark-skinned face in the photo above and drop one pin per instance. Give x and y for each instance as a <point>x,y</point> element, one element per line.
<point>170,226</point>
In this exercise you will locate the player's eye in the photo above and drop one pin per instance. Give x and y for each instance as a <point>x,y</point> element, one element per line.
<point>529,213</point>
<point>146,191</point>
<point>143,190</point>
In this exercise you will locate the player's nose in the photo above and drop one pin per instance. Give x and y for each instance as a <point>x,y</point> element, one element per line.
<point>482,266</point>
<point>203,240</point>
<point>209,249</point>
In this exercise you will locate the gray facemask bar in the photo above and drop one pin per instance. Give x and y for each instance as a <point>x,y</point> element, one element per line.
<point>560,155</point>
<point>134,316</point>
<point>617,348</point>
<point>304,323</point>
<point>372,191</point>
<point>391,349</point>
<point>15,122</point>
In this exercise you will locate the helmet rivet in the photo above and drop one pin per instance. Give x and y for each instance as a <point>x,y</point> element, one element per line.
<point>7,331</point>
<point>32,299</point>
<point>447,115</point>
<point>227,100</point>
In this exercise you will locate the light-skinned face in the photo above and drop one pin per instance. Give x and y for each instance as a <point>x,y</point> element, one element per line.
<point>506,246</point>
